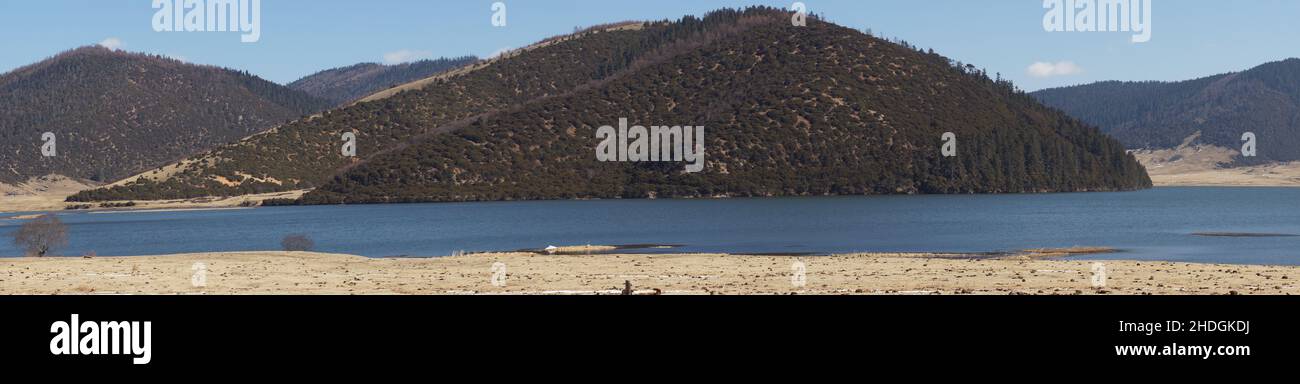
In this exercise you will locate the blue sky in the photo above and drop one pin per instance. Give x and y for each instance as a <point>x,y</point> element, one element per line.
<point>1190,38</point>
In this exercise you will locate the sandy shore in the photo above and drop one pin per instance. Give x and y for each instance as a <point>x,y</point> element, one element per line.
<point>691,274</point>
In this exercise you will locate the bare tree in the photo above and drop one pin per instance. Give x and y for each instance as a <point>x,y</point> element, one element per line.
<point>297,243</point>
<point>41,235</point>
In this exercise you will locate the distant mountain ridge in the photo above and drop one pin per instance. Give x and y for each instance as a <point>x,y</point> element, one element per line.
<point>346,84</point>
<point>1264,100</point>
<point>816,110</point>
<point>114,114</point>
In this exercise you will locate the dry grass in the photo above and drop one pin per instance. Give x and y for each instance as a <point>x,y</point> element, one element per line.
<point>1204,165</point>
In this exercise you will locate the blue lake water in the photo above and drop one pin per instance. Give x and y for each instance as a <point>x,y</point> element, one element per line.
<point>1148,225</point>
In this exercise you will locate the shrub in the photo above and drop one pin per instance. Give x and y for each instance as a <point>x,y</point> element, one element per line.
<point>41,235</point>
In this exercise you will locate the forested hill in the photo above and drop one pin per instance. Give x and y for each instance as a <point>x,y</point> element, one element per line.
<point>346,84</point>
<point>114,114</point>
<point>813,110</point>
<point>306,153</point>
<point>789,110</point>
<point>1264,100</point>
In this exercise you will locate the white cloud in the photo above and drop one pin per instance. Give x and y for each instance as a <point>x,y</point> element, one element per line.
<point>406,56</point>
<point>112,43</point>
<point>1043,69</point>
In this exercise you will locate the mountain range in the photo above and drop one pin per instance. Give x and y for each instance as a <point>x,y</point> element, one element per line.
<point>1214,111</point>
<point>790,110</point>
<point>346,84</point>
<point>112,114</point>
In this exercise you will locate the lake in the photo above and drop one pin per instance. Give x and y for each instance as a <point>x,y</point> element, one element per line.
<point>1156,224</point>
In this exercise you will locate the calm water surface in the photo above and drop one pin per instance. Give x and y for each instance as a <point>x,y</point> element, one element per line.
<point>1148,225</point>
